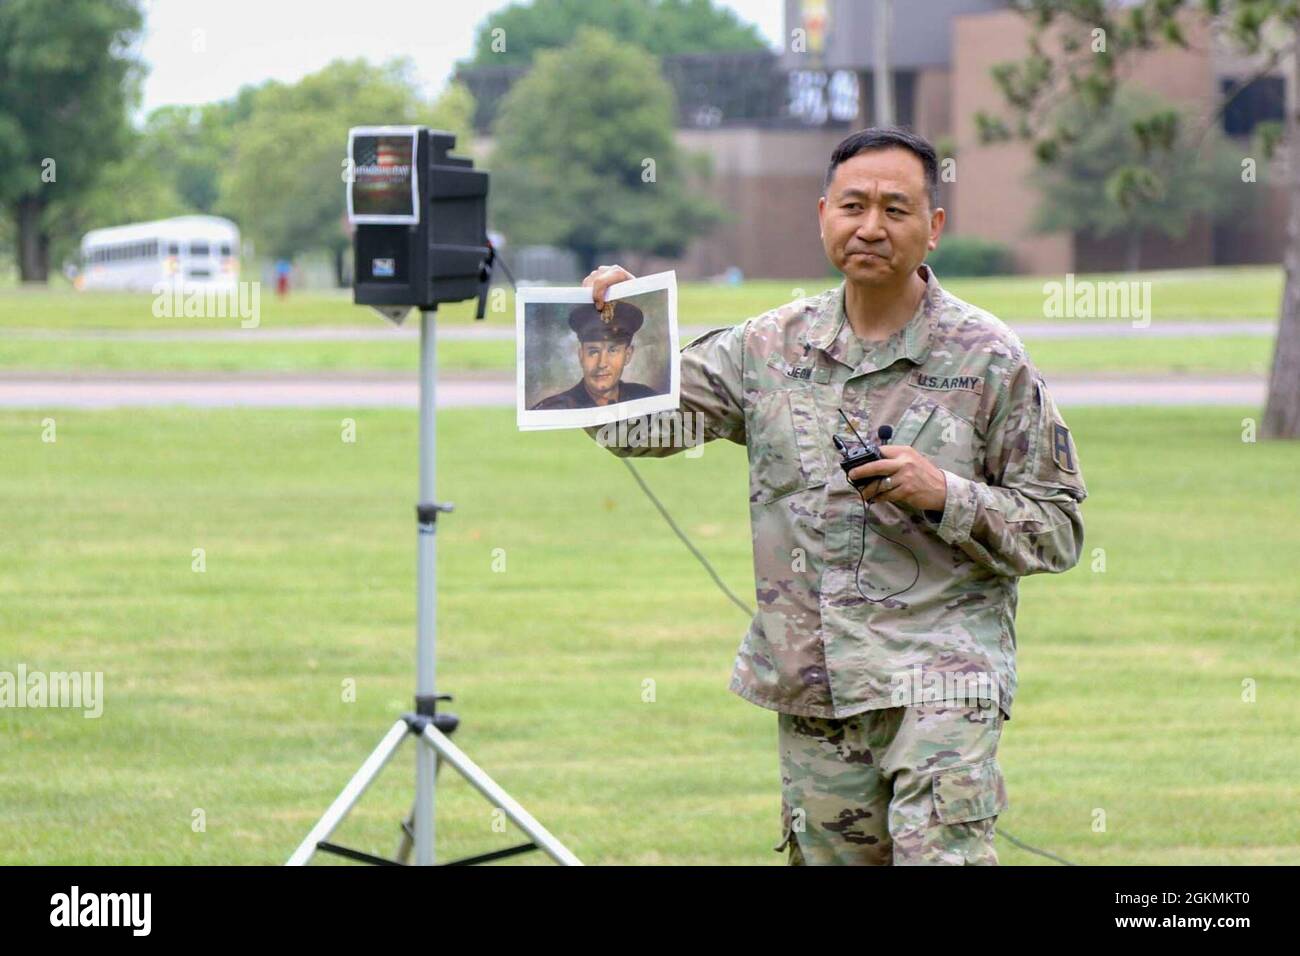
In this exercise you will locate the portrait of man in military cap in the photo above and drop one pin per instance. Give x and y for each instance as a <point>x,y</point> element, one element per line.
<point>604,349</point>
<point>582,364</point>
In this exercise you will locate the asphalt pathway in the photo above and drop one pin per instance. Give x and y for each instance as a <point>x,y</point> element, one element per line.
<point>37,390</point>
<point>498,330</point>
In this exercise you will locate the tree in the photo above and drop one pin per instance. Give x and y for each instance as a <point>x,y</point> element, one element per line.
<point>172,168</point>
<point>192,144</point>
<point>1090,41</point>
<point>515,35</point>
<point>128,190</point>
<point>284,181</point>
<point>1078,195</point>
<point>67,79</point>
<point>586,156</point>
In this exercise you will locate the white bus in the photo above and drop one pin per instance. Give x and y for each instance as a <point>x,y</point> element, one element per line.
<point>199,252</point>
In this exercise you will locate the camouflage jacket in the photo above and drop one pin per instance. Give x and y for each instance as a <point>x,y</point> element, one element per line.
<point>956,384</point>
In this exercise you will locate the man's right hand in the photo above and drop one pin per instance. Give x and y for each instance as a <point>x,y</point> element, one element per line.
<point>602,278</point>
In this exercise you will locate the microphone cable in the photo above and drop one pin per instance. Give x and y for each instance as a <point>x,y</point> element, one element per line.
<point>862,553</point>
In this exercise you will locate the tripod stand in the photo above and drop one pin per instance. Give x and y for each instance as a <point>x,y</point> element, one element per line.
<point>430,728</point>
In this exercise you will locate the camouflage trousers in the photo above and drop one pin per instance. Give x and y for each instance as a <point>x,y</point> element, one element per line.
<point>915,785</point>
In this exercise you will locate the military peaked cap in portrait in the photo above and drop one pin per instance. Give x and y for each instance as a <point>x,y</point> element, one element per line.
<point>617,321</point>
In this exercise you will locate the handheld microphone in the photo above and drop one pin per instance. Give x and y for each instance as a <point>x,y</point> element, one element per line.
<point>859,453</point>
<point>851,455</point>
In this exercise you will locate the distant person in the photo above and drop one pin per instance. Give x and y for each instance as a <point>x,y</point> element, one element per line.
<point>282,269</point>
<point>885,633</point>
<point>604,349</point>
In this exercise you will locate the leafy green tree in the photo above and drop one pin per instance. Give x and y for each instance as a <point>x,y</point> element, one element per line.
<point>284,181</point>
<point>586,156</point>
<point>130,189</point>
<point>191,145</point>
<point>173,168</point>
<point>1079,193</point>
<point>514,36</point>
<point>1079,48</point>
<point>68,77</point>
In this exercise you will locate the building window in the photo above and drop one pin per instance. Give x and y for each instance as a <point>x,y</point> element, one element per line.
<point>1260,102</point>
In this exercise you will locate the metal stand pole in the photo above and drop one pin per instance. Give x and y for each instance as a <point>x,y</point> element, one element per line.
<point>426,723</point>
<point>427,593</point>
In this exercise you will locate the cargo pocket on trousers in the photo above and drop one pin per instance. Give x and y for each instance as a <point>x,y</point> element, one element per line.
<point>971,792</point>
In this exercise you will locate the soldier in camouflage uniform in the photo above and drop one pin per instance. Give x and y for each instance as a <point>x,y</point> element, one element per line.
<point>885,630</point>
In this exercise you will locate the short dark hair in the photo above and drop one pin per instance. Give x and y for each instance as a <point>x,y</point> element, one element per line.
<point>889,137</point>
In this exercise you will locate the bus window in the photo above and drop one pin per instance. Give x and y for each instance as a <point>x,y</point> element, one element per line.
<point>173,248</point>
<point>225,248</point>
<point>198,248</point>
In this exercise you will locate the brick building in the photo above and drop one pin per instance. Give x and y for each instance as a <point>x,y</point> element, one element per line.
<point>768,122</point>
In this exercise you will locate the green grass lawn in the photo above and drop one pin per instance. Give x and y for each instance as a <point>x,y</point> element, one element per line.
<point>224,688</point>
<point>1222,354</point>
<point>1212,355</point>
<point>1217,294</point>
<point>1210,294</point>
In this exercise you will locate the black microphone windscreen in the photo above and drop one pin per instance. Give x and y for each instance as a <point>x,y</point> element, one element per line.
<point>885,432</point>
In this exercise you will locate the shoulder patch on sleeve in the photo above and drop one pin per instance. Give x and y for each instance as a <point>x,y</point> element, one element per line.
<point>1062,449</point>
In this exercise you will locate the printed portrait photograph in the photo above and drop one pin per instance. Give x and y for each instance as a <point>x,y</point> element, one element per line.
<point>579,365</point>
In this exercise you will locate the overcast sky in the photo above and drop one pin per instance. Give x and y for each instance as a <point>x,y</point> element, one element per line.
<point>198,51</point>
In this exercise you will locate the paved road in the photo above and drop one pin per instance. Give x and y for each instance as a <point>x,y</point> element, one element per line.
<point>491,389</point>
<point>233,390</point>
<point>499,330</point>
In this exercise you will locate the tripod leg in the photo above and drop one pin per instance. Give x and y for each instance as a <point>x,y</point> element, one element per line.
<point>404,845</point>
<point>348,798</point>
<point>403,854</point>
<point>442,746</point>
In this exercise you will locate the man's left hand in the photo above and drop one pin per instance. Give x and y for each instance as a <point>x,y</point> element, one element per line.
<point>913,479</point>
